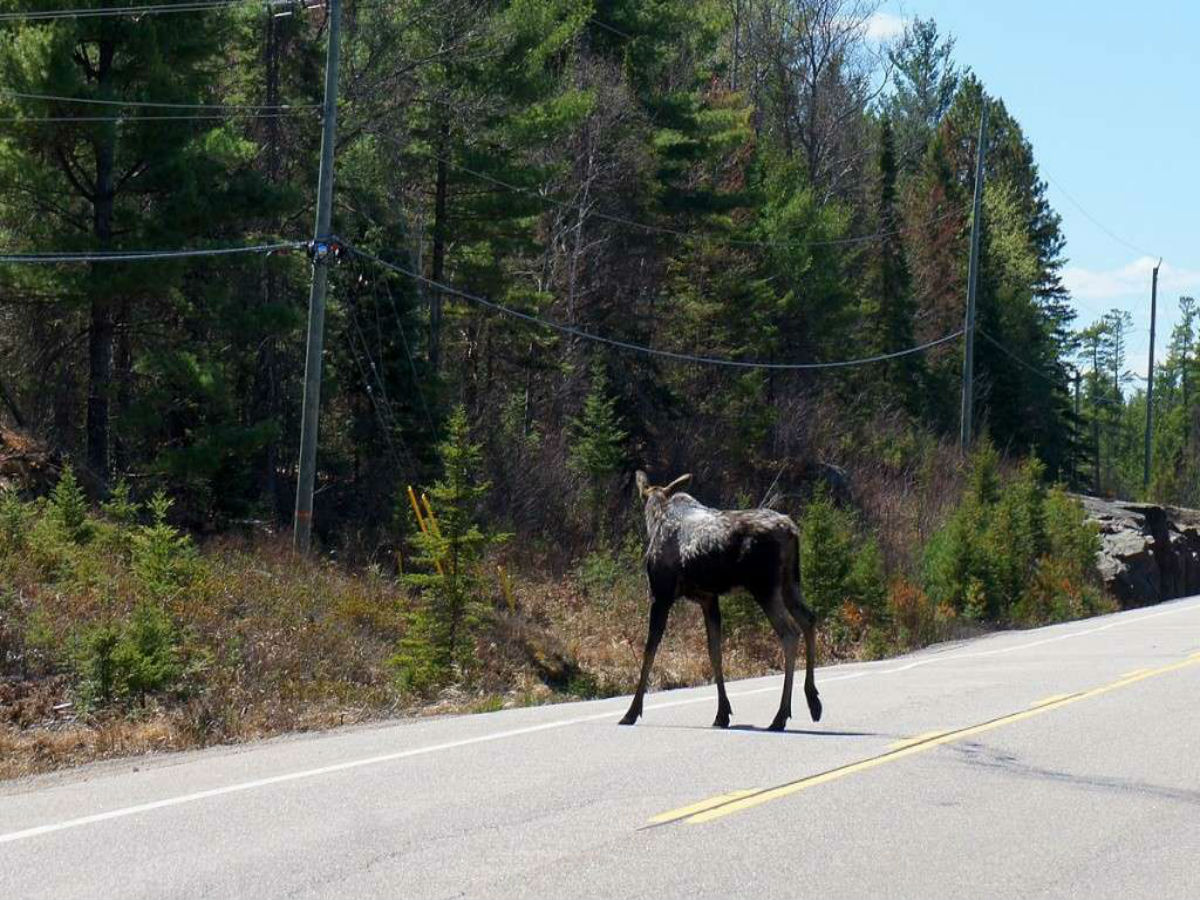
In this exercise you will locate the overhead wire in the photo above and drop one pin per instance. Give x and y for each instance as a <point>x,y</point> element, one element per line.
<point>143,255</point>
<point>639,348</point>
<point>412,364</point>
<point>157,104</point>
<point>148,9</point>
<point>1021,362</point>
<point>1112,234</point>
<point>680,233</point>
<point>136,119</point>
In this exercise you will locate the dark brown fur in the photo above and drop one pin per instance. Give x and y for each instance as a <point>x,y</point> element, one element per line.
<point>701,553</point>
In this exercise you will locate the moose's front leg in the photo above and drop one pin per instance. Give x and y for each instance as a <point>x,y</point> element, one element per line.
<point>659,610</point>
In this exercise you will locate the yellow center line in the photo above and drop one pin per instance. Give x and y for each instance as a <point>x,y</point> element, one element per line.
<point>684,811</point>
<point>728,804</point>
<point>1053,698</point>
<point>919,739</point>
<point>1135,672</point>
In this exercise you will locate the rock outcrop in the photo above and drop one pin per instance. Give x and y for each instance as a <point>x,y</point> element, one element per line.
<point>1149,553</point>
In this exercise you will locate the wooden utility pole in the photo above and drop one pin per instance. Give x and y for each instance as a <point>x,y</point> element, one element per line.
<point>1077,441</point>
<point>968,385</point>
<point>1150,381</point>
<point>302,524</point>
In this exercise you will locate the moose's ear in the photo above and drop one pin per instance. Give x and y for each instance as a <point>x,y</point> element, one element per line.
<point>643,483</point>
<point>677,484</point>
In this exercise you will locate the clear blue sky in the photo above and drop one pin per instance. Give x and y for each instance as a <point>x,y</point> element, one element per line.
<point>1109,95</point>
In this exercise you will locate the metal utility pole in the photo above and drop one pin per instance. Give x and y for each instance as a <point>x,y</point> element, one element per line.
<point>1150,380</point>
<point>968,386</point>
<point>302,524</point>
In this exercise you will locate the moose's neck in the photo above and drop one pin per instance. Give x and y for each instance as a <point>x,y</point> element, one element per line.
<point>656,511</point>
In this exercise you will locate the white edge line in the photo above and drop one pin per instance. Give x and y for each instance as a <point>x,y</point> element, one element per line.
<point>515,732</point>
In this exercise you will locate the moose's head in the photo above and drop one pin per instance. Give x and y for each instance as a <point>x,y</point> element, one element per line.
<point>656,498</point>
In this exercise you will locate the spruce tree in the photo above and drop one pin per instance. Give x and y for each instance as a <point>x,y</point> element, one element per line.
<point>450,603</point>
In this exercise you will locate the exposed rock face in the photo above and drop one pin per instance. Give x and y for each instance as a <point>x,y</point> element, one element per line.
<point>1149,553</point>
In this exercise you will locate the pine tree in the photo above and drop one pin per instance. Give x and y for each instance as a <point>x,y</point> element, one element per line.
<point>926,80</point>
<point>105,185</point>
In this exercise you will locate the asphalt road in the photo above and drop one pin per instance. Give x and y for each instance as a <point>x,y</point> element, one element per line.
<point>1061,762</point>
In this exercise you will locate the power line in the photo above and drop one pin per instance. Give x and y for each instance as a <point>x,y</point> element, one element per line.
<point>142,255</point>
<point>143,10</point>
<point>1079,206</point>
<point>1018,360</point>
<point>154,104</point>
<point>612,28</point>
<point>412,363</point>
<point>121,120</point>
<point>639,348</point>
<point>675,232</point>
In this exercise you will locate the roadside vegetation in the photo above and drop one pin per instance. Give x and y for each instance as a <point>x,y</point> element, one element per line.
<point>554,219</point>
<point>119,635</point>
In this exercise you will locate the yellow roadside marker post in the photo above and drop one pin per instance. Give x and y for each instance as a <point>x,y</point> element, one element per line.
<point>422,524</point>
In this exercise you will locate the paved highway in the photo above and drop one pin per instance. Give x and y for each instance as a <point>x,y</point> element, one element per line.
<point>1061,762</point>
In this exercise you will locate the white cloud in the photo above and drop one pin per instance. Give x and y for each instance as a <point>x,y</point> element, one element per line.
<point>1096,291</point>
<point>884,26</point>
<point>1129,282</point>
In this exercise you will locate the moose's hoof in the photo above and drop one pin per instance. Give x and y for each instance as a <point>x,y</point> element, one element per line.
<point>629,719</point>
<point>778,723</point>
<point>814,707</point>
<point>721,721</point>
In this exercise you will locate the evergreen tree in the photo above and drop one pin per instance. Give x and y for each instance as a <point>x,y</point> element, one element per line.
<point>926,79</point>
<point>597,452</point>
<point>888,307</point>
<point>128,182</point>
<point>442,627</point>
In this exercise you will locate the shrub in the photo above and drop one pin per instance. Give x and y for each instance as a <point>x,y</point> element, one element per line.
<point>14,520</point>
<point>1016,538</point>
<point>163,559</point>
<point>842,574</point>
<point>68,507</point>
<point>1014,551</point>
<point>916,618</point>
<point>129,661</point>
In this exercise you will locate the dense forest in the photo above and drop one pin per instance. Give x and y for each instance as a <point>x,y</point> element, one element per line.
<point>574,238</point>
<point>753,181</point>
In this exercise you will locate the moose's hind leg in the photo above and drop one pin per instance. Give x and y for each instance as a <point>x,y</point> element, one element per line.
<point>773,606</point>
<point>808,623</point>
<point>712,625</point>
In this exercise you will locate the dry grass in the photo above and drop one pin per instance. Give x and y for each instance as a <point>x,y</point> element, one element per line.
<point>273,645</point>
<point>283,647</point>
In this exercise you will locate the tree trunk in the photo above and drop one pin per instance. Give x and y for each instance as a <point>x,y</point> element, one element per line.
<point>123,376</point>
<point>439,244</point>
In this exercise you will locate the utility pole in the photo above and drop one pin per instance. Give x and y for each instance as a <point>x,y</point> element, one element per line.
<point>968,385</point>
<point>302,524</point>
<point>1150,380</point>
<point>1077,440</point>
<point>1096,412</point>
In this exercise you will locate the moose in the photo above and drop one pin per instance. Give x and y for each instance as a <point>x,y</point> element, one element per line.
<point>699,553</point>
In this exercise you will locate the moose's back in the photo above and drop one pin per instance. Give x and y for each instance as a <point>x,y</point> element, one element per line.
<point>711,551</point>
